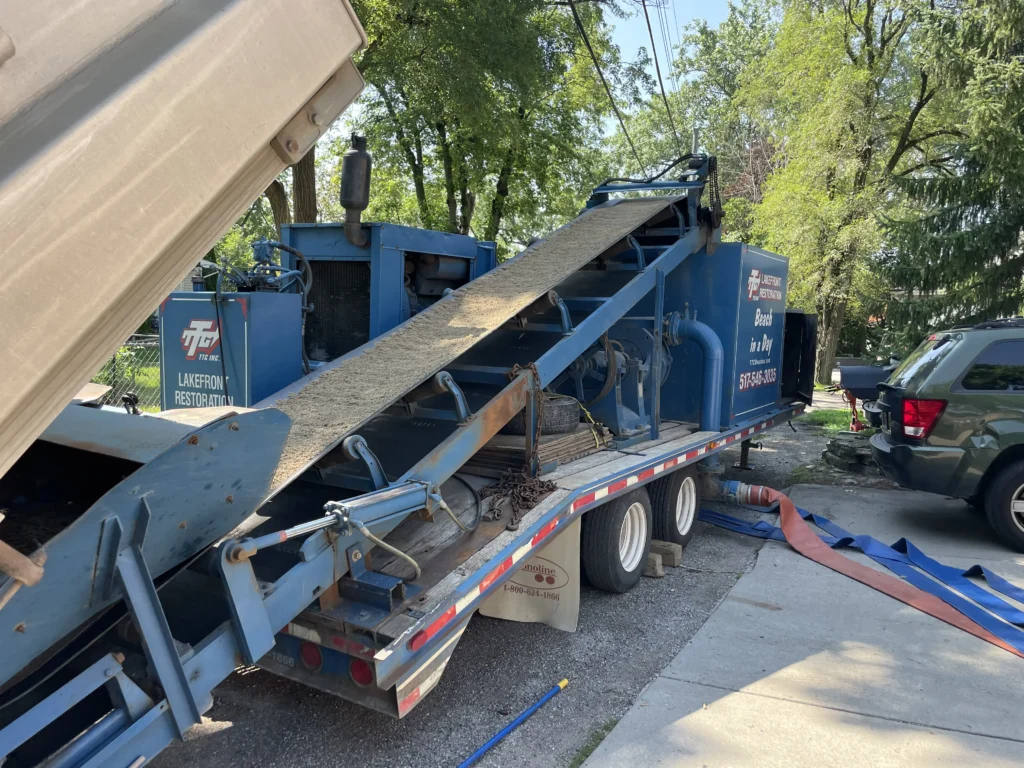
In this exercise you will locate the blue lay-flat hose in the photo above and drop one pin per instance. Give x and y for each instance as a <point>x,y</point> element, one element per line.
<point>512,726</point>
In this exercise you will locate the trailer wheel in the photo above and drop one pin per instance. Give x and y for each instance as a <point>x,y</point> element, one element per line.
<point>615,541</point>
<point>675,502</point>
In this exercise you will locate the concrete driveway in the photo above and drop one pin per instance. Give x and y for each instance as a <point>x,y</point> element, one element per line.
<point>800,666</point>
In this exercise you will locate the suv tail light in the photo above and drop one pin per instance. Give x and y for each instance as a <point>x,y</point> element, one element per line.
<point>919,416</point>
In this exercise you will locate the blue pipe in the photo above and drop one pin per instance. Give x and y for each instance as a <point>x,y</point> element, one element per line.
<point>714,368</point>
<point>512,726</point>
<point>90,742</point>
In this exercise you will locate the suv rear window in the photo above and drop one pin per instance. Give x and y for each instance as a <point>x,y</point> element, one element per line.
<point>922,360</point>
<point>999,368</point>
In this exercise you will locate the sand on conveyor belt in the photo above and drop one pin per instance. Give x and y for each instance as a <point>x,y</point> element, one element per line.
<point>342,398</point>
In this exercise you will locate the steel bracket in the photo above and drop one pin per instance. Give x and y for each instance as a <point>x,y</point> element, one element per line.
<point>563,315</point>
<point>248,614</point>
<point>355,448</point>
<point>144,606</point>
<point>641,260</point>
<point>462,410</point>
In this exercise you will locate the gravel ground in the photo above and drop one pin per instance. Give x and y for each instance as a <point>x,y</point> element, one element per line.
<point>499,668</point>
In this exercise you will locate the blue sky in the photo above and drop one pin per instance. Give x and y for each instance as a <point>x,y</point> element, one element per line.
<point>631,33</point>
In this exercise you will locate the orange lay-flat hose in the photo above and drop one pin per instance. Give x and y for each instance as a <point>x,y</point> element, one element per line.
<point>800,536</point>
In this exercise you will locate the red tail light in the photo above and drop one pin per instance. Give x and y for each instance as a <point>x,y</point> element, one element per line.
<point>919,416</point>
<point>312,658</point>
<point>360,672</point>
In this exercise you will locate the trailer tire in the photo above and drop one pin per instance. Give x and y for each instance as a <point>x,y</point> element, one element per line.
<point>675,502</point>
<point>615,542</point>
<point>560,416</point>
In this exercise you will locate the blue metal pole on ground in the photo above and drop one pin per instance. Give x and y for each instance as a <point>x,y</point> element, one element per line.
<point>512,726</point>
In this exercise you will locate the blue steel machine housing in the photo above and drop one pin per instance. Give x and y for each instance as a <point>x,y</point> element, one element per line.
<point>360,293</point>
<point>740,292</point>
<point>260,337</point>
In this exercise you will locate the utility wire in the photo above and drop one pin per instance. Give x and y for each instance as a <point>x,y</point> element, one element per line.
<point>657,68</point>
<point>597,66</point>
<point>666,36</point>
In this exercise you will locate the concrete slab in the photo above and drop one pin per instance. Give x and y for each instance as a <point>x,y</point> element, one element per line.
<point>800,656</point>
<point>692,726</point>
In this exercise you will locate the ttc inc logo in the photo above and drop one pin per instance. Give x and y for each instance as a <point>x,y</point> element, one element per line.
<point>199,336</point>
<point>754,285</point>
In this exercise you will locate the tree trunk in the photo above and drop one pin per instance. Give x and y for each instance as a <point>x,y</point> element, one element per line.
<point>500,194</point>
<point>278,198</point>
<point>830,321</point>
<point>449,177</point>
<point>413,156</point>
<point>304,188</point>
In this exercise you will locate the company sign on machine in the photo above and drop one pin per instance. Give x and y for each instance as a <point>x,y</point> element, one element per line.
<point>762,286</point>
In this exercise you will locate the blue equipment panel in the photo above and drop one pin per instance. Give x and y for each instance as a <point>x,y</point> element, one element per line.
<point>259,336</point>
<point>739,291</point>
<point>359,293</point>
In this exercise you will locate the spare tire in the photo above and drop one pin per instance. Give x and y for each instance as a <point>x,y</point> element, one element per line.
<point>560,415</point>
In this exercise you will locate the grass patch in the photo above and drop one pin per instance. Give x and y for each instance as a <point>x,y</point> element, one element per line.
<point>803,474</point>
<point>831,421</point>
<point>821,387</point>
<point>593,743</point>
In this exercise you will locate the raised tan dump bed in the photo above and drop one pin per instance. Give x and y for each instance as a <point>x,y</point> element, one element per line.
<point>132,134</point>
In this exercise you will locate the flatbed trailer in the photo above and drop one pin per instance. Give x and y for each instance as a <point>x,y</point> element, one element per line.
<point>410,649</point>
<point>283,534</point>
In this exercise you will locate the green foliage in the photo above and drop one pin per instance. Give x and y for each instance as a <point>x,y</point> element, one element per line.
<point>712,62</point>
<point>956,247</point>
<point>832,421</point>
<point>484,117</point>
<point>257,223</point>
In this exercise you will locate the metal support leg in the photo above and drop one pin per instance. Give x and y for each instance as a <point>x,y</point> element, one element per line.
<point>656,355</point>
<point>245,598</point>
<point>744,462</point>
<point>145,609</point>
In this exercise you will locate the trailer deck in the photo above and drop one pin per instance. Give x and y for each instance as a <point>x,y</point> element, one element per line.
<point>410,646</point>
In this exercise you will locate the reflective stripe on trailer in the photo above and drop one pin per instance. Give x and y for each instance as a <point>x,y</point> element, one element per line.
<point>506,565</point>
<point>435,627</point>
<point>592,497</point>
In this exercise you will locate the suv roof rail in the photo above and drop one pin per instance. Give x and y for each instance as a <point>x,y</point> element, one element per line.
<point>1003,322</point>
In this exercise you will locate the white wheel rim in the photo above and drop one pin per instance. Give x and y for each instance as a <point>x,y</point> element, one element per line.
<point>633,536</point>
<point>686,506</point>
<point>1017,508</point>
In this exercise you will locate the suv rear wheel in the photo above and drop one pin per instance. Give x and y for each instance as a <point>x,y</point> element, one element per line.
<point>1004,505</point>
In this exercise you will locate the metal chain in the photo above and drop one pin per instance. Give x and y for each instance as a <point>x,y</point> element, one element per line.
<point>521,491</point>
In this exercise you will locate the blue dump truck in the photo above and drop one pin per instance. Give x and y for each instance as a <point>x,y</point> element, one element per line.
<point>369,436</point>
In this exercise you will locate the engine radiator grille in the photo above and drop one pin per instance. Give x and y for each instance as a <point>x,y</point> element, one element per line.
<point>340,320</point>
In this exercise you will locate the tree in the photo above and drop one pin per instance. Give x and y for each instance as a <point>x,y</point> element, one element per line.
<point>712,62</point>
<point>483,117</point>
<point>850,103</point>
<point>958,252</point>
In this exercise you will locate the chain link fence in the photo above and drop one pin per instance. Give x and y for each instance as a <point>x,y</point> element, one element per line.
<point>134,368</point>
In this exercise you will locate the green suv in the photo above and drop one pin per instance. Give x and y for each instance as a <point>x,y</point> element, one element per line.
<point>952,421</point>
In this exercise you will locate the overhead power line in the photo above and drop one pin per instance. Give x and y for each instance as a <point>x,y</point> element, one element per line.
<point>597,66</point>
<point>661,84</point>
<point>666,36</point>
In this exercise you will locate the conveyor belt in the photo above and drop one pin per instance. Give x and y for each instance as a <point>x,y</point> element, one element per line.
<point>328,407</point>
